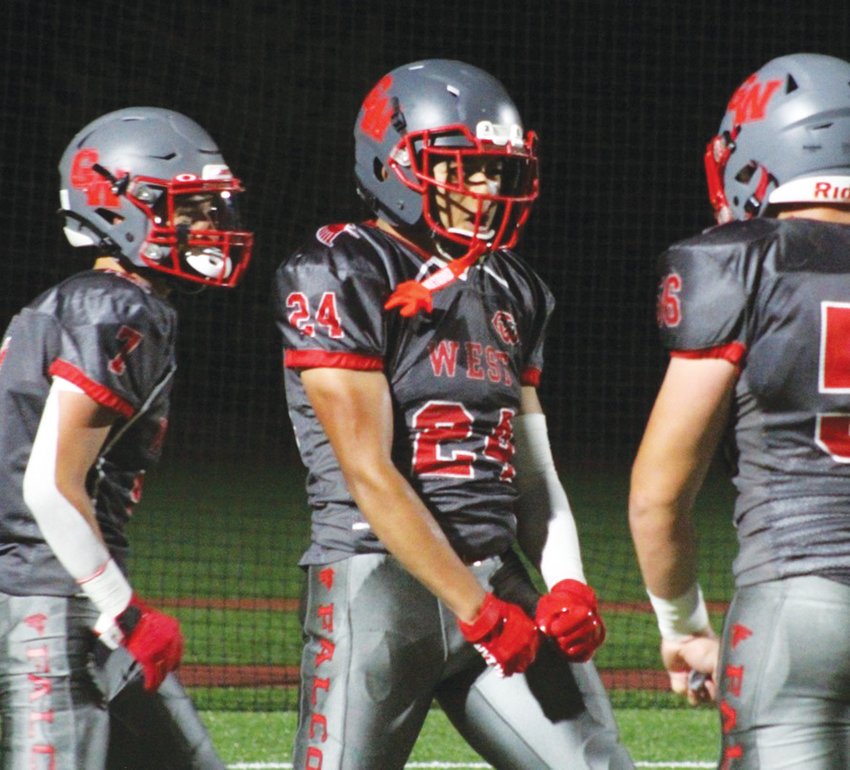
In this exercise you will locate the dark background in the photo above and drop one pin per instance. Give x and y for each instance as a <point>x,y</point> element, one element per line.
<point>623,94</point>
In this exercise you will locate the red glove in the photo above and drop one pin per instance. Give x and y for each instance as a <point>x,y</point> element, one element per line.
<point>568,613</point>
<point>151,637</point>
<point>504,635</point>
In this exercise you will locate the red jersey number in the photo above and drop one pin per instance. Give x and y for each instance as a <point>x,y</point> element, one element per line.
<point>326,316</point>
<point>832,429</point>
<point>440,424</point>
<point>669,309</point>
<point>130,339</point>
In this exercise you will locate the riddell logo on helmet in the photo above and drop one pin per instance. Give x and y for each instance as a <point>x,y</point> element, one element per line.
<point>749,102</point>
<point>830,192</point>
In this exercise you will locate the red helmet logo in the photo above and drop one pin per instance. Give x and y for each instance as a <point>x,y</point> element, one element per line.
<point>97,188</point>
<point>377,110</point>
<point>749,102</point>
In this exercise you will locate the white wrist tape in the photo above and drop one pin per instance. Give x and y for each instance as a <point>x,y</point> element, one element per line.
<point>108,589</point>
<point>543,504</point>
<point>680,617</point>
<point>63,527</point>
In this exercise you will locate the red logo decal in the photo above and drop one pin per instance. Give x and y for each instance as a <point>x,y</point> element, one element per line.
<point>739,634</point>
<point>731,753</point>
<point>37,622</point>
<point>326,578</point>
<point>322,721</point>
<point>729,716</point>
<point>443,357</point>
<point>85,178</point>
<point>318,684</point>
<point>4,348</point>
<point>734,679</point>
<point>749,102</point>
<point>326,653</point>
<point>329,233</point>
<point>377,110</point>
<point>506,327</point>
<point>830,192</point>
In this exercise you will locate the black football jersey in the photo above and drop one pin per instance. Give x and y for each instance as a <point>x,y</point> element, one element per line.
<point>114,339</point>
<point>455,377</point>
<point>778,291</point>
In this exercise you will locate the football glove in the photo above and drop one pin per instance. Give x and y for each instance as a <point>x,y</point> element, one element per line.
<point>504,635</point>
<point>153,638</point>
<point>569,615</point>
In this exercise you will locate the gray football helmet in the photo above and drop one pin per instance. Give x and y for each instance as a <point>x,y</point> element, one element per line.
<point>785,138</point>
<point>440,110</point>
<point>151,186</point>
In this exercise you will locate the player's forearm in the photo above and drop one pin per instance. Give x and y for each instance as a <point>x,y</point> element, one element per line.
<point>65,446</point>
<point>411,534</point>
<point>664,541</point>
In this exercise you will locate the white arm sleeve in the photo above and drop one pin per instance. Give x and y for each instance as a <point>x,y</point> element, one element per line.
<point>64,528</point>
<point>545,525</point>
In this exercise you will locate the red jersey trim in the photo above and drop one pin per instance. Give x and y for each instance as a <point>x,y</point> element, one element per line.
<point>313,359</point>
<point>733,352</point>
<point>530,376</point>
<point>97,392</point>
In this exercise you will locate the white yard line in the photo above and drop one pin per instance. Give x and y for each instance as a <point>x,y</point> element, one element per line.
<point>463,765</point>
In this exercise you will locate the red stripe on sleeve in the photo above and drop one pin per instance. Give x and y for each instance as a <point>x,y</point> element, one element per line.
<point>314,359</point>
<point>94,390</point>
<point>531,376</point>
<point>733,352</point>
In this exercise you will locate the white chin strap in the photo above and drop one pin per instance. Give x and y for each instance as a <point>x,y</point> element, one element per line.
<point>825,189</point>
<point>209,262</point>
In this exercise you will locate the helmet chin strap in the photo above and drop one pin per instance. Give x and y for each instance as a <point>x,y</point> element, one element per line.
<point>412,296</point>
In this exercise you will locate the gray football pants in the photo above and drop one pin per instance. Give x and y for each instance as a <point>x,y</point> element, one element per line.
<point>68,704</point>
<point>784,689</point>
<point>380,648</point>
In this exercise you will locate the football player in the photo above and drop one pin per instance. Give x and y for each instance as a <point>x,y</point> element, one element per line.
<point>413,345</point>
<point>756,315</point>
<point>85,374</point>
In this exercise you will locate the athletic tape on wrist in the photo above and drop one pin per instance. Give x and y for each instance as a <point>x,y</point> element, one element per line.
<point>108,589</point>
<point>680,617</point>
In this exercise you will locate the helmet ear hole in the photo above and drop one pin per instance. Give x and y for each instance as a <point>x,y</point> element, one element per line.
<point>379,170</point>
<point>745,173</point>
<point>113,217</point>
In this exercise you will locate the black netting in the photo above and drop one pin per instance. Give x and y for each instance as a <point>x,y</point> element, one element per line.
<point>624,96</point>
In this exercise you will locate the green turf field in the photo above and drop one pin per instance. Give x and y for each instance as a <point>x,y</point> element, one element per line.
<point>669,738</point>
<point>220,551</point>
